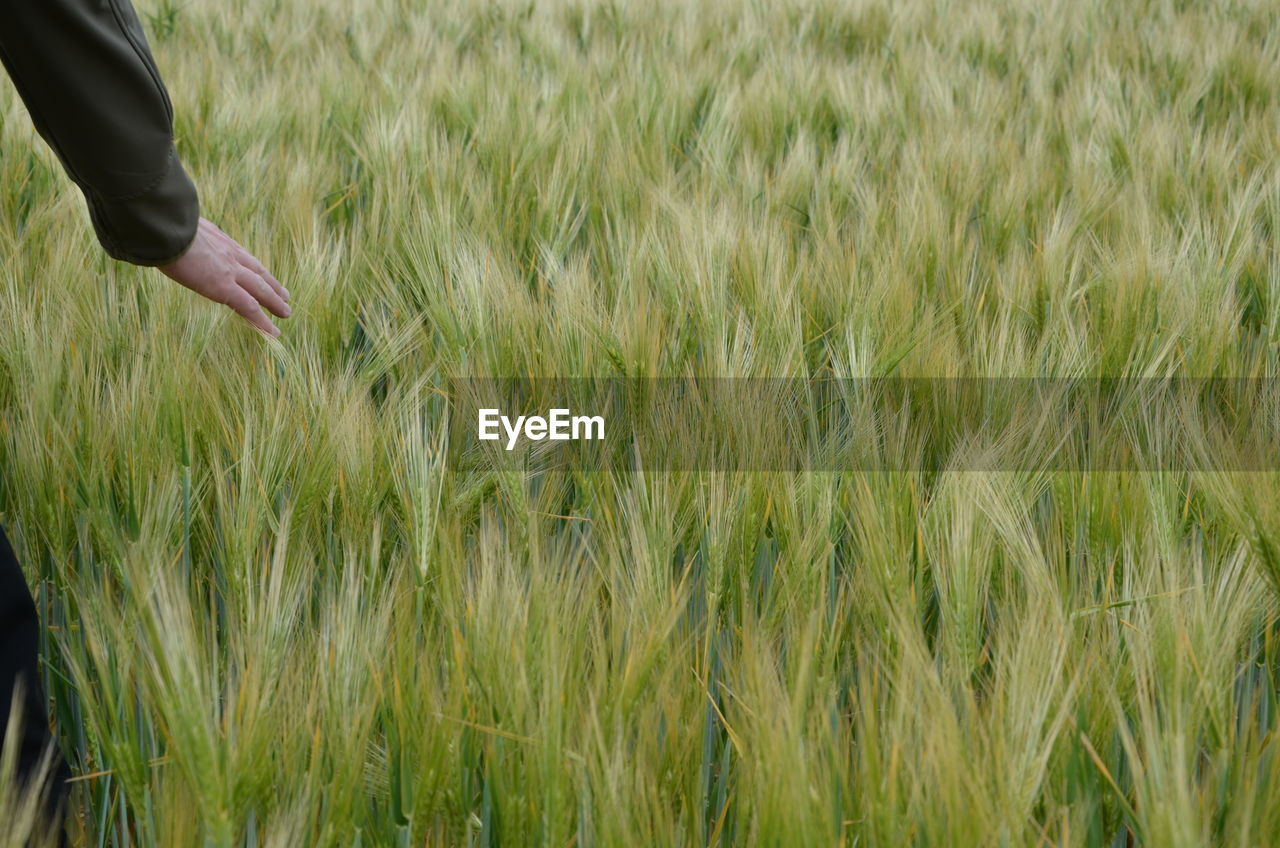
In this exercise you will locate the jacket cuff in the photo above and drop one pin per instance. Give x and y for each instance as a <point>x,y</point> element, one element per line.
<point>154,226</point>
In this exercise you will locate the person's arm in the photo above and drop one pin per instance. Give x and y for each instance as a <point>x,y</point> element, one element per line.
<point>87,77</point>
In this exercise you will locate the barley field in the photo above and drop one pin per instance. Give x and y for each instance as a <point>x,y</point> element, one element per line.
<point>275,616</point>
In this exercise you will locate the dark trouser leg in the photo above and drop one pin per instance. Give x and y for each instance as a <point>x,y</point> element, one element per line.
<point>19,643</point>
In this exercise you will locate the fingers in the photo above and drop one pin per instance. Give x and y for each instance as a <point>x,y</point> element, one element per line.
<point>251,262</point>
<point>223,271</point>
<point>248,260</point>
<point>248,308</point>
<point>263,293</point>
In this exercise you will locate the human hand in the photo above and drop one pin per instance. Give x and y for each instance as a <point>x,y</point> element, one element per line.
<point>218,268</point>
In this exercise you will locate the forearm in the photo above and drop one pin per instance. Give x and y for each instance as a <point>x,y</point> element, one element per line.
<point>87,77</point>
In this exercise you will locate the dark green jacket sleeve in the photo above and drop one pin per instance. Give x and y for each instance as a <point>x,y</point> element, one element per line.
<point>88,79</point>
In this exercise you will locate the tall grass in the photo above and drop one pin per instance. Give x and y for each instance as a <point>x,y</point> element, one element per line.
<point>274,617</point>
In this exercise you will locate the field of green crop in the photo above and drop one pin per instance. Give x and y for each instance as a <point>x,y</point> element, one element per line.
<point>276,618</point>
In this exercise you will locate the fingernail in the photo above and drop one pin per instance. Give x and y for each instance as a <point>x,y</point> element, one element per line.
<point>288,310</point>
<point>286,292</point>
